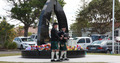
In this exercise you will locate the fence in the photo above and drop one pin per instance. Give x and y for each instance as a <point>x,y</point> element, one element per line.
<point>116,47</point>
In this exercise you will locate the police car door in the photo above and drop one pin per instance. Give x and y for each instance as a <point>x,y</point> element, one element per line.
<point>81,42</point>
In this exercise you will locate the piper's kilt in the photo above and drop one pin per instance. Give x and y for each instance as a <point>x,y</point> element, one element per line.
<point>54,45</point>
<point>63,46</point>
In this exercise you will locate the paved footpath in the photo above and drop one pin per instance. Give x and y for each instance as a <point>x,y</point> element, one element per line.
<point>88,58</point>
<point>9,52</point>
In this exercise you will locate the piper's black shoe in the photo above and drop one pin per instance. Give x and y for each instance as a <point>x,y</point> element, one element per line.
<point>58,60</point>
<point>62,59</point>
<point>66,59</point>
<point>53,60</point>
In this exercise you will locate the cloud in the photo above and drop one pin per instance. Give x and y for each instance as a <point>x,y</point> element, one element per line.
<point>2,6</point>
<point>70,10</point>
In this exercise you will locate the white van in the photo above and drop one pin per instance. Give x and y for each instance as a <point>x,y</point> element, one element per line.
<point>83,41</point>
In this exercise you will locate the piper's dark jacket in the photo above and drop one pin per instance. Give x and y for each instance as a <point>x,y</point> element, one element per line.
<point>54,35</point>
<point>64,34</point>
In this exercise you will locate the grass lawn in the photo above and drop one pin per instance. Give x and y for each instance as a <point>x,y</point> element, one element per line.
<point>102,54</point>
<point>10,54</point>
<point>10,62</point>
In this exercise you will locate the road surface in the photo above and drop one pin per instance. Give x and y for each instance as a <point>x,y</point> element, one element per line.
<point>88,58</point>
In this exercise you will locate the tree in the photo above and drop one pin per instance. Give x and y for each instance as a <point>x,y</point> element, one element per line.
<point>80,22</point>
<point>98,14</point>
<point>20,30</point>
<point>28,11</point>
<point>7,32</point>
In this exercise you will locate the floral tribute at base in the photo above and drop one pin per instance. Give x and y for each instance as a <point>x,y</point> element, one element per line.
<point>47,47</point>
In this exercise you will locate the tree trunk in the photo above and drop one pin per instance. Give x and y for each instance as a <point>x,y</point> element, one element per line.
<point>26,31</point>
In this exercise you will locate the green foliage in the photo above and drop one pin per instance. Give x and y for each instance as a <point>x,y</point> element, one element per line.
<point>20,30</point>
<point>0,46</point>
<point>14,45</point>
<point>76,28</point>
<point>10,45</point>
<point>62,2</point>
<point>6,44</point>
<point>100,11</point>
<point>98,16</point>
<point>29,33</point>
<point>7,32</point>
<point>28,11</point>
<point>4,27</point>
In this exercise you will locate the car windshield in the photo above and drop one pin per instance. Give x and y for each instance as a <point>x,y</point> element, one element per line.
<point>95,38</point>
<point>96,43</point>
<point>102,37</point>
<point>75,38</point>
<point>26,39</point>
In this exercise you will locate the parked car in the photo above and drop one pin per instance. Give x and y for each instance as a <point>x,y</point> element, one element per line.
<point>98,37</point>
<point>34,37</point>
<point>70,42</point>
<point>83,41</point>
<point>24,42</point>
<point>102,46</point>
<point>117,39</point>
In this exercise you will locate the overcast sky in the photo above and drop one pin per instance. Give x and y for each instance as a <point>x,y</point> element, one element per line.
<point>70,10</point>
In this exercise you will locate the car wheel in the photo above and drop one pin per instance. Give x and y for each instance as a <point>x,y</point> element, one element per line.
<point>21,47</point>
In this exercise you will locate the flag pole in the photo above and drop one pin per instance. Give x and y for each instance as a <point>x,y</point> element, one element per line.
<point>113,27</point>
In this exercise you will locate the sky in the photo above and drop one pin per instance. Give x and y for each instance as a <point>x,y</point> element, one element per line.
<point>70,9</point>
